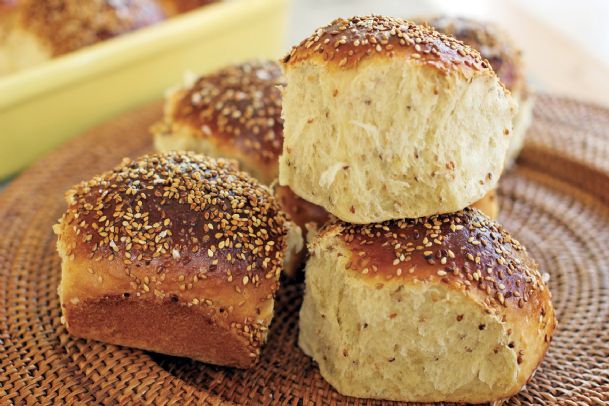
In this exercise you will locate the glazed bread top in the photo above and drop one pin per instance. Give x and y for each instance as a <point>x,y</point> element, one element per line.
<point>345,43</point>
<point>494,44</point>
<point>67,25</point>
<point>464,250</point>
<point>187,216</point>
<point>239,107</point>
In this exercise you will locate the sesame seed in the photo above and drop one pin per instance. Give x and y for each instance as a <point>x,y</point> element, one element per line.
<point>472,266</point>
<point>240,104</point>
<point>178,206</point>
<point>363,37</point>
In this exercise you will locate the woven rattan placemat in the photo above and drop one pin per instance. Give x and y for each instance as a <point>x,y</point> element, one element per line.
<point>556,201</point>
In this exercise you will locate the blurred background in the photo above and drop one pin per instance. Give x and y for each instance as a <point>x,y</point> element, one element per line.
<point>66,66</point>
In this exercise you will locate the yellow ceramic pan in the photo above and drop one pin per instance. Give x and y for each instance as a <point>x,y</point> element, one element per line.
<point>43,106</point>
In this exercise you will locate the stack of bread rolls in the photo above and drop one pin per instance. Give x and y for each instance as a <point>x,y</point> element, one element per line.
<point>395,129</point>
<point>235,112</point>
<point>386,138</point>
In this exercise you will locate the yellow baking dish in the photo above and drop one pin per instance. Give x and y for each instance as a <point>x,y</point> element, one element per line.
<point>43,106</point>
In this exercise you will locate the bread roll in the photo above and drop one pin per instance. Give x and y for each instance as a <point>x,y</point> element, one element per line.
<point>234,112</point>
<point>488,205</point>
<point>448,308</point>
<point>174,253</point>
<point>303,212</point>
<point>308,216</point>
<point>35,31</point>
<point>385,119</point>
<point>497,47</point>
<point>300,211</point>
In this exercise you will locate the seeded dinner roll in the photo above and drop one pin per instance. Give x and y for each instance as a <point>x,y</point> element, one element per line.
<point>234,112</point>
<point>448,308</point>
<point>488,205</point>
<point>33,31</point>
<point>175,253</point>
<point>386,119</point>
<point>497,47</point>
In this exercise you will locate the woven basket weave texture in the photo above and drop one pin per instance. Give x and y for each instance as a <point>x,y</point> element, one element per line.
<point>556,201</point>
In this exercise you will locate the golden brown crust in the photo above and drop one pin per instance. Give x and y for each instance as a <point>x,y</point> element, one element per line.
<point>464,255</point>
<point>465,250</point>
<point>170,206</point>
<point>299,210</point>
<point>179,227</point>
<point>492,43</point>
<point>165,326</point>
<point>303,212</point>
<point>235,310</point>
<point>488,205</point>
<point>67,25</point>
<point>238,109</point>
<point>345,43</point>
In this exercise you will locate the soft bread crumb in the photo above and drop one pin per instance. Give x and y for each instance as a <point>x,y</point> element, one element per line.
<point>442,152</point>
<point>444,308</point>
<point>327,177</point>
<point>397,342</point>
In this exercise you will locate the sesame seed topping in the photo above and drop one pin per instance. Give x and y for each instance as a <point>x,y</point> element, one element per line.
<point>70,25</point>
<point>473,250</point>
<point>165,207</point>
<point>372,36</point>
<point>239,105</point>
<point>494,45</point>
